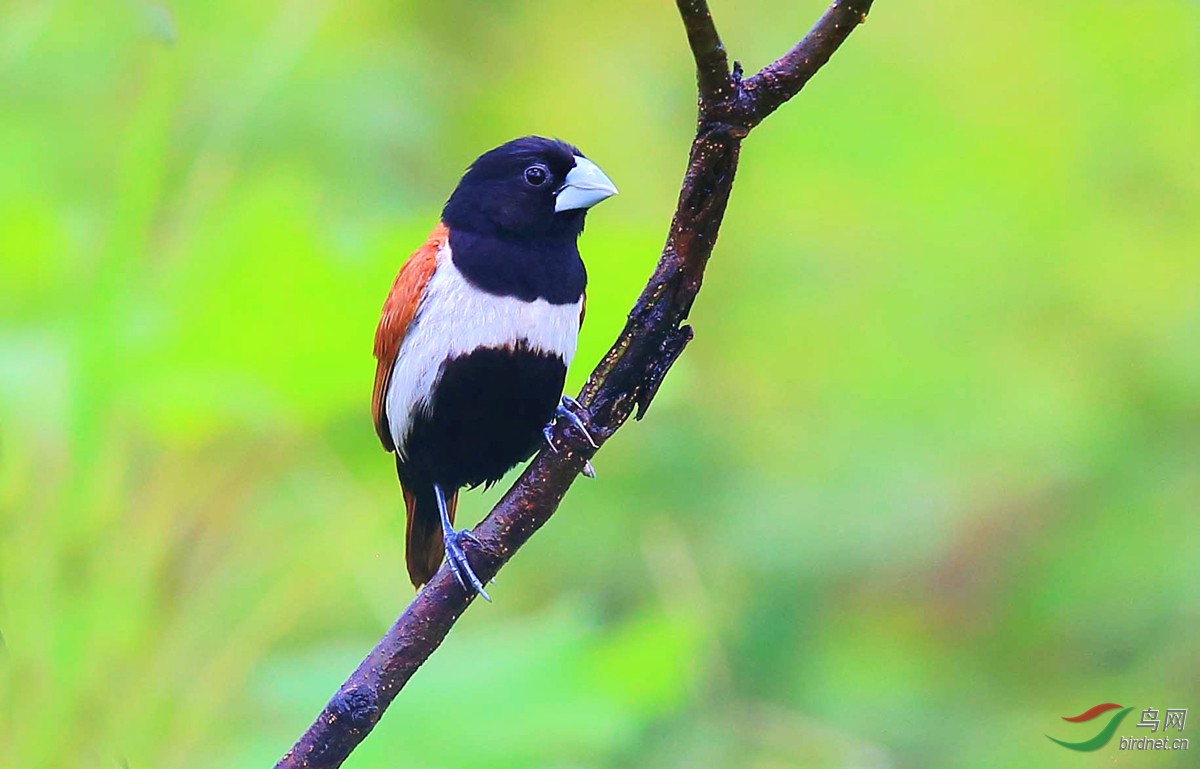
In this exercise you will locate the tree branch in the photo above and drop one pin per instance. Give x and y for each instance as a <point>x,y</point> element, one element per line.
<point>712,66</point>
<point>782,79</point>
<point>624,382</point>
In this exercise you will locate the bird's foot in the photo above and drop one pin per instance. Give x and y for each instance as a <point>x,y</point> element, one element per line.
<point>566,411</point>
<point>457,558</point>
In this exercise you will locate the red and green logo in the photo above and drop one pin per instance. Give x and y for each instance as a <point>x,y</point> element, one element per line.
<point>1105,734</point>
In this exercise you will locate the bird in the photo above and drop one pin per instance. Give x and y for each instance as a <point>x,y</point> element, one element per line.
<point>476,334</point>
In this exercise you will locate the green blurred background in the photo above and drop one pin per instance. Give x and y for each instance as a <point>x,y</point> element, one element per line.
<point>926,481</point>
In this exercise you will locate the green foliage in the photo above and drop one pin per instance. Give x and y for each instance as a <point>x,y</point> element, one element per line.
<point>925,482</point>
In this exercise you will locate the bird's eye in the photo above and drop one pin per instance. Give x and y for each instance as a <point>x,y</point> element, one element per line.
<point>536,175</point>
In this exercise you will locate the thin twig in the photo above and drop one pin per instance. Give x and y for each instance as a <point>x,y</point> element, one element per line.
<point>623,383</point>
<point>712,65</point>
<point>782,79</point>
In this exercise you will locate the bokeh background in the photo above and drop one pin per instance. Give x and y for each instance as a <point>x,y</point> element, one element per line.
<point>926,481</point>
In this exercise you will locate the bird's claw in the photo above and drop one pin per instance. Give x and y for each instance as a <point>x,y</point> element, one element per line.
<point>457,559</point>
<point>548,434</point>
<point>566,411</point>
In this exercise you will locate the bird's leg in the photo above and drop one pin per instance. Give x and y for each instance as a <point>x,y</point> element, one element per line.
<point>454,552</point>
<point>564,411</point>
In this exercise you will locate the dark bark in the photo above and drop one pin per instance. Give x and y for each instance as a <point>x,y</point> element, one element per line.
<point>623,383</point>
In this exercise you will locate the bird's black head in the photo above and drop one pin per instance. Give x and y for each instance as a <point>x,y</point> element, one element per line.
<point>528,189</point>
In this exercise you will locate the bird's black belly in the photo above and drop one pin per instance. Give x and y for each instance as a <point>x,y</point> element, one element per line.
<point>488,411</point>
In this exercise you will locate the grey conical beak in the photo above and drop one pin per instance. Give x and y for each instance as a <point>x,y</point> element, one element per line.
<point>585,186</point>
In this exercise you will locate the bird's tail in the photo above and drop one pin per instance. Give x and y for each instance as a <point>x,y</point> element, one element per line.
<point>423,547</point>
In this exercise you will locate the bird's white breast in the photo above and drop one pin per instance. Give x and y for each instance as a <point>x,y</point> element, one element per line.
<point>455,318</point>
